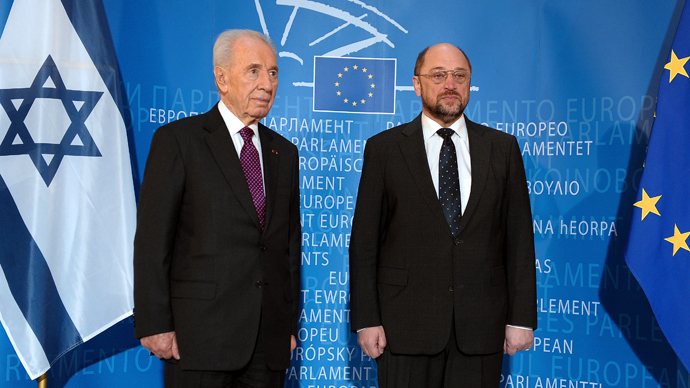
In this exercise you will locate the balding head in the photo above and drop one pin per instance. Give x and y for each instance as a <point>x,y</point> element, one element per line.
<point>447,46</point>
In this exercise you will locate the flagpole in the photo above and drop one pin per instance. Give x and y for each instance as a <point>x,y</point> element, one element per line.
<point>43,381</point>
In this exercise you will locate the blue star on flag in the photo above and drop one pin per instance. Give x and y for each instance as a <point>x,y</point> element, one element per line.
<point>76,141</point>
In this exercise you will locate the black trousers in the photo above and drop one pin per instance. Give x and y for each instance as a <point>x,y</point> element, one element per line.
<point>254,375</point>
<point>450,368</point>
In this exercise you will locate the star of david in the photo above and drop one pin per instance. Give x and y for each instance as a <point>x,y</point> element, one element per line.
<point>76,141</point>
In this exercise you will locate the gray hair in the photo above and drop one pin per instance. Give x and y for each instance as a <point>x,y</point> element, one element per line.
<point>222,49</point>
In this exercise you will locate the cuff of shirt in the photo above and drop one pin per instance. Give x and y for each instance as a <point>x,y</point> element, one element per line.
<point>520,327</point>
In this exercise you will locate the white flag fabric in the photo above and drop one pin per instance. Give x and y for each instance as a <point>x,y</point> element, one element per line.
<point>67,202</point>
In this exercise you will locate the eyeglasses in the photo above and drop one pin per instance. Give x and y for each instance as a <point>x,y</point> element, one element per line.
<point>440,76</point>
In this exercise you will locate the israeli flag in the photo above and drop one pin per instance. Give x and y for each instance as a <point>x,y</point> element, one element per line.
<point>67,199</point>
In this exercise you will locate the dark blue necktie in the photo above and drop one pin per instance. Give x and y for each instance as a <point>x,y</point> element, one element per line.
<point>449,181</point>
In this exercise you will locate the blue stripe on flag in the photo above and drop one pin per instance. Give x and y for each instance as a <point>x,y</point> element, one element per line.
<point>31,282</point>
<point>5,7</point>
<point>102,52</point>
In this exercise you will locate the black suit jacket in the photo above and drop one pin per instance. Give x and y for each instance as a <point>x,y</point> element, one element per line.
<point>410,274</point>
<point>202,265</point>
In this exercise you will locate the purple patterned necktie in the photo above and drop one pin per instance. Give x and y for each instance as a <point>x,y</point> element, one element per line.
<point>249,157</point>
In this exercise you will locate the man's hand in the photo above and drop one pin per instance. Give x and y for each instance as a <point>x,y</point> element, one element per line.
<point>163,345</point>
<point>293,343</point>
<point>372,340</point>
<point>517,340</point>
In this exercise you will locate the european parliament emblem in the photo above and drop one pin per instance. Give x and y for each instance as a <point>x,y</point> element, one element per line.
<point>354,85</point>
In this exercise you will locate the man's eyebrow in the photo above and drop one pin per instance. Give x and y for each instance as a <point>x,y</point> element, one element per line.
<point>443,68</point>
<point>259,66</point>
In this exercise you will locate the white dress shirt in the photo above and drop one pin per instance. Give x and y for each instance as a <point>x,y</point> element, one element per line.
<point>433,143</point>
<point>235,125</point>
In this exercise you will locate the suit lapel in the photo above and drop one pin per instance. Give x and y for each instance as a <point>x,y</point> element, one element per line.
<point>271,166</point>
<point>412,147</point>
<point>480,151</point>
<point>223,150</point>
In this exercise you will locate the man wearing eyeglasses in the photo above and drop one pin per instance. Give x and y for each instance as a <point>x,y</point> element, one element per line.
<point>443,278</point>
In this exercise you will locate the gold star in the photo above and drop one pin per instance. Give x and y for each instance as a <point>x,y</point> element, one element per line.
<point>346,69</point>
<point>337,84</point>
<point>338,92</point>
<point>372,86</point>
<point>678,240</point>
<point>354,103</point>
<point>371,94</point>
<point>340,75</point>
<point>364,70</point>
<point>676,66</point>
<point>345,100</point>
<point>371,76</point>
<point>363,101</point>
<point>354,67</point>
<point>648,204</point>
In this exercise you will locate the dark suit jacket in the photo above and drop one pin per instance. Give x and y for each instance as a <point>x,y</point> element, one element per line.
<point>202,265</point>
<point>410,274</point>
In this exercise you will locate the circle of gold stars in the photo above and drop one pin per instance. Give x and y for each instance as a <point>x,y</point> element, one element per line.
<point>354,70</point>
<point>676,67</point>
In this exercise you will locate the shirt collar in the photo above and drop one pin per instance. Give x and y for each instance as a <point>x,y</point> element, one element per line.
<point>430,127</point>
<point>232,122</point>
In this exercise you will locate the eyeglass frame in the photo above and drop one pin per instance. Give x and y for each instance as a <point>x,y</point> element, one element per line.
<point>445,73</point>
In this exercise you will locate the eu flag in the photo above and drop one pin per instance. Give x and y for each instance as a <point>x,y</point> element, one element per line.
<point>67,199</point>
<point>657,252</point>
<point>354,85</point>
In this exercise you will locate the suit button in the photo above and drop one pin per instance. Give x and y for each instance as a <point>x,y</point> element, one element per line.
<point>259,284</point>
<point>450,288</point>
<point>263,248</point>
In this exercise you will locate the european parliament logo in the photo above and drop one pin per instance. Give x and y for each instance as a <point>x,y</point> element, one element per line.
<point>354,85</point>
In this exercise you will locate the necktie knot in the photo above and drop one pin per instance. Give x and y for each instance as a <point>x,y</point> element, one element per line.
<point>445,133</point>
<point>246,134</point>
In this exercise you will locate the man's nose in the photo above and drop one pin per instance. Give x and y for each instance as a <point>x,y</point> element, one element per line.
<point>449,83</point>
<point>266,81</point>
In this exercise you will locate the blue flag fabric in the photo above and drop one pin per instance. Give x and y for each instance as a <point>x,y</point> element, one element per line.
<point>67,199</point>
<point>354,85</point>
<point>657,252</point>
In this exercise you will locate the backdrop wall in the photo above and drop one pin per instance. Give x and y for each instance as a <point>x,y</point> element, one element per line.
<point>574,81</point>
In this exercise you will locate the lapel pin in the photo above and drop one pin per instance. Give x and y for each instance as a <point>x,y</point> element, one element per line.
<point>275,152</point>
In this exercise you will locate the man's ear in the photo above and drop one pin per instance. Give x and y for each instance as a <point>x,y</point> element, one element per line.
<point>221,79</point>
<point>417,86</point>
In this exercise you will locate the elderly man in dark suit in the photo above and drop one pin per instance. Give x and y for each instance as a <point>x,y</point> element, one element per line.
<point>217,248</point>
<point>442,251</point>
